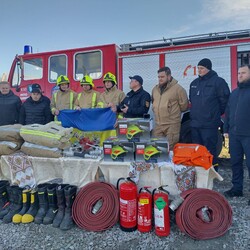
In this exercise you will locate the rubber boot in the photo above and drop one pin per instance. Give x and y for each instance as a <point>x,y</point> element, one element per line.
<point>70,194</point>
<point>43,202</point>
<point>34,206</point>
<point>16,204</point>
<point>61,205</point>
<point>52,200</point>
<point>17,218</point>
<point>4,198</point>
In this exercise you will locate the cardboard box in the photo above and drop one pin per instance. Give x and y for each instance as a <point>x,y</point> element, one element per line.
<point>153,151</point>
<point>116,150</point>
<point>134,130</point>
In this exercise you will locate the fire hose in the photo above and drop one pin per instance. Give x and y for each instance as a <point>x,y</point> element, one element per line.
<point>96,207</point>
<point>204,214</point>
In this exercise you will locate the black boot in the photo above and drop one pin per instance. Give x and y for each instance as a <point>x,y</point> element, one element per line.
<point>15,198</point>
<point>61,204</point>
<point>34,206</point>
<point>4,199</point>
<point>17,218</point>
<point>43,202</point>
<point>52,199</point>
<point>70,194</point>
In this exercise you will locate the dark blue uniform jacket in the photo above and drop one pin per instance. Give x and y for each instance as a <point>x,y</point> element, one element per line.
<point>208,96</point>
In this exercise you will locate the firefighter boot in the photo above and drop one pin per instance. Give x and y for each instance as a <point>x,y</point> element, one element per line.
<point>15,198</point>
<point>43,202</point>
<point>34,206</point>
<point>4,199</point>
<point>17,218</point>
<point>52,200</point>
<point>61,205</point>
<point>70,194</point>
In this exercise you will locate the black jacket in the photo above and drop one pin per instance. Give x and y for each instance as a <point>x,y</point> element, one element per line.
<point>208,96</point>
<point>138,103</point>
<point>35,112</point>
<point>237,116</point>
<point>10,105</point>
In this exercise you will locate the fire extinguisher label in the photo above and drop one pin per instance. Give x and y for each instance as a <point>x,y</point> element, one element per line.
<point>144,201</point>
<point>159,217</point>
<point>128,210</point>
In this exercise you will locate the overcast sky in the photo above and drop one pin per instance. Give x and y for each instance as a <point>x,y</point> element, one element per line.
<point>59,24</point>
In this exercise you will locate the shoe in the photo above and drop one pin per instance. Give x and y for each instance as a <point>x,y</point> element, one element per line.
<point>233,193</point>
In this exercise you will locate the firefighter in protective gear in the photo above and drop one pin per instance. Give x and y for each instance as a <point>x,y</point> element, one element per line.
<point>64,98</point>
<point>89,97</point>
<point>111,95</point>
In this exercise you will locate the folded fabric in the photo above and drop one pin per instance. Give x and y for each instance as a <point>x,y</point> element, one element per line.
<point>97,119</point>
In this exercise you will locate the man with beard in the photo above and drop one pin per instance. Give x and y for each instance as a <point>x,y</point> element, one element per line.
<point>10,105</point>
<point>236,127</point>
<point>169,99</point>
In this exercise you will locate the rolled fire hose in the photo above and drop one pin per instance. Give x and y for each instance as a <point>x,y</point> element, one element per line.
<point>204,214</point>
<point>96,207</point>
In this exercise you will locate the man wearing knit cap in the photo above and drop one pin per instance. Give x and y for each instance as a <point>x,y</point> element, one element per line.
<point>208,95</point>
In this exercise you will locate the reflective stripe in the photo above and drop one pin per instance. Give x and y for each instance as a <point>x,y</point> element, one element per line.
<point>71,99</point>
<point>100,104</point>
<point>40,133</point>
<point>93,100</point>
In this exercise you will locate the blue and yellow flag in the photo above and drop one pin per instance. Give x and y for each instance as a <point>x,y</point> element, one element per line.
<point>97,122</point>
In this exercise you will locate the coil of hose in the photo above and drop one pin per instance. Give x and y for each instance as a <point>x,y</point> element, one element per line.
<point>107,215</point>
<point>204,214</point>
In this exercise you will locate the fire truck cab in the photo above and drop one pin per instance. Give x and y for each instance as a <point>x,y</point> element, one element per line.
<point>226,50</point>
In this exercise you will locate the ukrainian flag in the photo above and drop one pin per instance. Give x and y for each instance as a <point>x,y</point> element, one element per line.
<point>97,123</point>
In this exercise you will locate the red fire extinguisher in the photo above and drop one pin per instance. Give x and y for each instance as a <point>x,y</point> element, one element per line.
<point>128,204</point>
<point>144,218</point>
<point>161,212</point>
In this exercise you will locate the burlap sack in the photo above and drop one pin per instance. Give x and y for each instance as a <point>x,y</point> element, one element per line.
<point>8,147</point>
<point>40,151</point>
<point>10,132</point>
<point>49,135</point>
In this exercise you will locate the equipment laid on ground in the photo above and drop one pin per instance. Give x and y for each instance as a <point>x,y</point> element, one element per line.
<point>96,207</point>
<point>204,214</point>
<point>161,212</point>
<point>144,218</point>
<point>128,204</point>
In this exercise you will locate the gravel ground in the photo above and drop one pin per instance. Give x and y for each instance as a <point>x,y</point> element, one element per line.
<point>32,236</point>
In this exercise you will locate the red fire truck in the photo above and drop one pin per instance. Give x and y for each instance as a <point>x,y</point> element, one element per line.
<point>226,50</point>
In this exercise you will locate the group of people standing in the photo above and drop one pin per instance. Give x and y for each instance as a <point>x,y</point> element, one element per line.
<point>209,98</point>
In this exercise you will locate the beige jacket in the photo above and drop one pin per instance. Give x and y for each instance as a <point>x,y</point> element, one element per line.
<point>167,107</point>
<point>63,100</point>
<point>114,96</point>
<point>87,99</point>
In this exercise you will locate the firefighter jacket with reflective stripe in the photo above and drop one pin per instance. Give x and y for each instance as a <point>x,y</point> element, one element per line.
<point>112,95</point>
<point>10,105</point>
<point>169,103</point>
<point>208,96</point>
<point>87,99</point>
<point>35,112</point>
<point>138,103</point>
<point>237,116</point>
<point>63,100</point>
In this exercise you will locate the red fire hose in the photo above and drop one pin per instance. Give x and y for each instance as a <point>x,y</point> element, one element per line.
<point>204,214</point>
<point>96,207</point>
